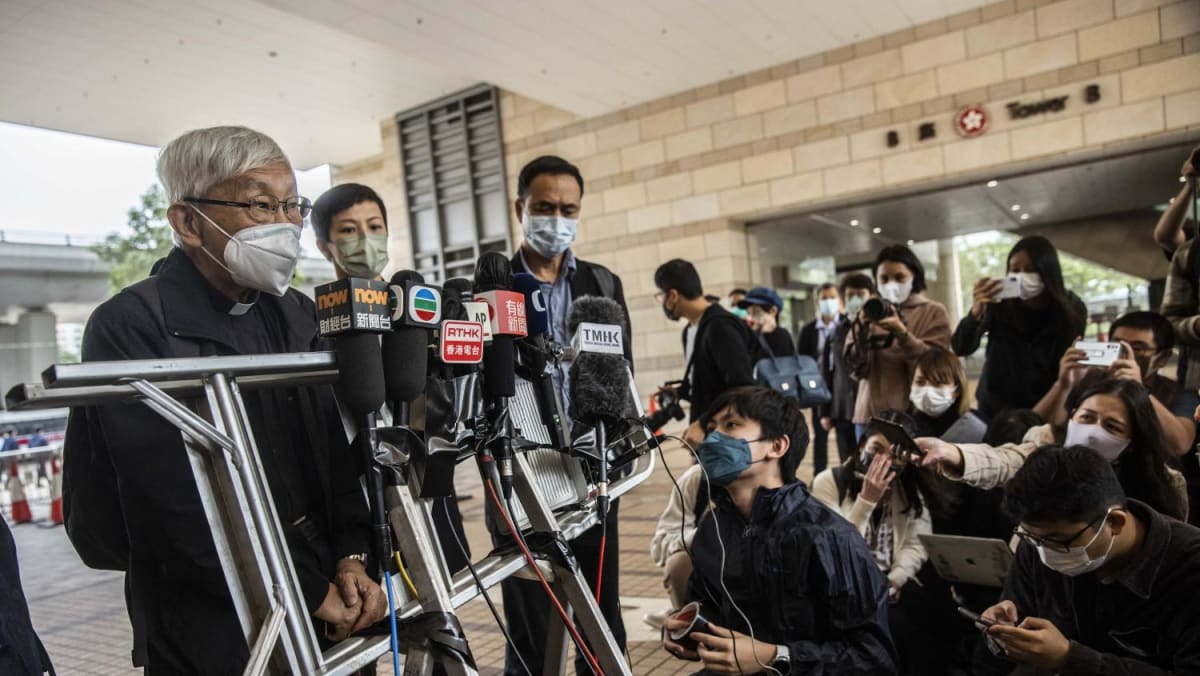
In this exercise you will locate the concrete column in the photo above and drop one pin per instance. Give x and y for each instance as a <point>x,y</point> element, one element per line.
<point>948,288</point>
<point>27,348</point>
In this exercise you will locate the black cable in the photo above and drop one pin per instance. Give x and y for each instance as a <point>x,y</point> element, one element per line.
<point>483,592</point>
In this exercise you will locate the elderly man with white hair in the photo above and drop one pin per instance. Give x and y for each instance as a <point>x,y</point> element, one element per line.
<point>130,498</point>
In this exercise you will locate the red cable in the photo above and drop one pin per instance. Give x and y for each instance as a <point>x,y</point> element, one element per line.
<point>587,654</point>
<point>600,567</point>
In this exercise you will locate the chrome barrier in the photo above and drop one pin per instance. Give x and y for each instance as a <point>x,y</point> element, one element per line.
<point>248,535</point>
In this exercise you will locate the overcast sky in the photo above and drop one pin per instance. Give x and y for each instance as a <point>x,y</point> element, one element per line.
<point>54,184</point>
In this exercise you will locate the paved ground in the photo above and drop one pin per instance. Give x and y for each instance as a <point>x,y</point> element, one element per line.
<point>80,613</point>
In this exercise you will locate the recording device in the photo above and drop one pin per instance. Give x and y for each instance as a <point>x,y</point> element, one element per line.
<point>876,309</point>
<point>1099,354</point>
<point>976,618</point>
<point>361,388</point>
<point>416,309</point>
<point>538,356</point>
<point>690,613</point>
<point>506,308</point>
<point>666,400</point>
<point>897,436</point>
<point>599,377</point>
<point>1010,287</point>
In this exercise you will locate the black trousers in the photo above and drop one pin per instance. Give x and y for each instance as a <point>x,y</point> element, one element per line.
<point>843,431</point>
<point>527,609</point>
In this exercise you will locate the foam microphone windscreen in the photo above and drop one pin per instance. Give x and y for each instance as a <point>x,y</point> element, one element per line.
<point>360,372</point>
<point>599,388</point>
<point>493,272</point>
<point>452,298</point>
<point>594,310</point>
<point>536,311</point>
<point>405,351</point>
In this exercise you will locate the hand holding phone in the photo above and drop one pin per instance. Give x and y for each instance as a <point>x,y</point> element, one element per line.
<point>1099,354</point>
<point>976,618</point>
<point>1010,287</point>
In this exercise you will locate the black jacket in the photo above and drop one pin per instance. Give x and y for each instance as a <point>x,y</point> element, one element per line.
<point>1145,622</point>
<point>1024,348</point>
<point>593,279</point>
<point>838,377</point>
<point>130,499</point>
<point>721,359</point>
<point>779,341</point>
<point>803,576</point>
<point>21,652</point>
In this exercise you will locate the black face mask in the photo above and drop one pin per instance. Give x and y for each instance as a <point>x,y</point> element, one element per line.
<point>671,316</point>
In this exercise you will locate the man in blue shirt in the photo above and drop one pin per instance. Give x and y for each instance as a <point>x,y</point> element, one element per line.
<point>548,206</point>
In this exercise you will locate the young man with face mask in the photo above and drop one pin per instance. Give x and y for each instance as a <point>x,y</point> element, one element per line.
<point>815,337</point>
<point>721,354</point>
<point>223,290</point>
<point>1102,584</point>
<point>350,223</point>
<point>855,288</point>
<point>548,206</point>
<point>785,583</point>
<point>1147,341</point>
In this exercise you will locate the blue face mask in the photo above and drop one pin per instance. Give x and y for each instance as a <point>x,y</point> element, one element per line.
<point>724,458</point>
<point>550,235</point>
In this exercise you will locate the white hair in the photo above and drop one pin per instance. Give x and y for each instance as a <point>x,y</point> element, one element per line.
<point>192,164</point>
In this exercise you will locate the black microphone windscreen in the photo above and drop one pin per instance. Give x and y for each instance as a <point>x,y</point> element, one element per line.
<point>594,310</point>
<point>499,362</point>
<point>360,372</point>
<point>405,351</point>
<point>599,388</point>
<point>452,298</point>
<point>493,271</point>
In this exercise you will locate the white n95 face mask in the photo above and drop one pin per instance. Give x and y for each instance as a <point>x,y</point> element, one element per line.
<point>1031,285</point>
<point>1076,561</point>
<point>1095,437</point>
<point>261,257</point>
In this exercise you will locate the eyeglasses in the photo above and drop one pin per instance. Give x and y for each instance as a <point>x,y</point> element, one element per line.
<point>1053,545</point>
<point>262,208</point>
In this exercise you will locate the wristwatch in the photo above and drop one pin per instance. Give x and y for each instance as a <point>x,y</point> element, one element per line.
<point>783,660</point>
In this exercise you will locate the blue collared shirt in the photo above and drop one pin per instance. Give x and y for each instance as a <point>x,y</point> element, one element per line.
<point>558,306</point>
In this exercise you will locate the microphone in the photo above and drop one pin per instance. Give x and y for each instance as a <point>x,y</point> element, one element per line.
<point>599,386</point>
<point>405,349</point>
<point>352,311</point>
<point>506,309</point>
<point>536,354</point>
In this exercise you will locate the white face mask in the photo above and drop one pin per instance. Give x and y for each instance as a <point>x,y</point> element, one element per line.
<point>1076,561</point>
<point>1032,285</point>
<point>933,401</point>
<point>853,305</point>
<point>829,307</point>
<point>1095,437</point>
<point>895,292</point>
<point>261,257</point>
<point>550,235</point>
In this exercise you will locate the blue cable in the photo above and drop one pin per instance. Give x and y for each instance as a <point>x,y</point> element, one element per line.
<point>392,613</point>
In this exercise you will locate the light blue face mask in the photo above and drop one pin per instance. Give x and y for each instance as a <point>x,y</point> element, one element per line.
<point>724,458</point>
<point>550,235</point>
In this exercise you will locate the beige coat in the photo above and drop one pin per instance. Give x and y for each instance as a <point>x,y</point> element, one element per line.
<point>908,554</point>
<point>992,466</point>
<point>890,370</point>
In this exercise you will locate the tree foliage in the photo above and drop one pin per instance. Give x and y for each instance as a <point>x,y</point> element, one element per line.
<point>131,254</point>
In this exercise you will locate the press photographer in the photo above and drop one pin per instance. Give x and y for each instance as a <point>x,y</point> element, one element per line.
<point>891,331</point>
<point>721,358</point>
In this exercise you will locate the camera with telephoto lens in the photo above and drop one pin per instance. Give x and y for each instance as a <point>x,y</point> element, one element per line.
<point>667,400</point>
<point>876,309</point>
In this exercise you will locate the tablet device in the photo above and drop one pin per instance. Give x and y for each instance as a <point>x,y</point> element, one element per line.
<point>982,561</point>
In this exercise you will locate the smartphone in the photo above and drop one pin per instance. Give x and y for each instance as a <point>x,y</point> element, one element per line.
<point>1010,287</point>
<point>976,617</point>
<point>897,436</point>
<point>1099,354</point>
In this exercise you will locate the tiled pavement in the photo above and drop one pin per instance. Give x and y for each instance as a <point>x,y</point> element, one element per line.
<point>80,613</point>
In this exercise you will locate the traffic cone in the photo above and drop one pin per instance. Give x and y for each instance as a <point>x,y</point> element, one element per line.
<point>20,505</point>
<point>56,512</point>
